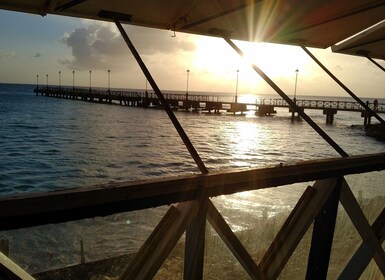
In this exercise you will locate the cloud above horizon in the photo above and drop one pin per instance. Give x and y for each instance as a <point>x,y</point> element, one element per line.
<point>8,54</point>
<point>98,46</point>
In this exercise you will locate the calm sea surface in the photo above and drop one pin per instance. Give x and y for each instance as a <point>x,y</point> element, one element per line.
<point>48,143</point>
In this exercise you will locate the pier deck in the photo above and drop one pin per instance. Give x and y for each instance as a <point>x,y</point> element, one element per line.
<point>207,103</point>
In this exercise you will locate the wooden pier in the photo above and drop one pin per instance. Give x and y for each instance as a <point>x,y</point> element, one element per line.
<point>207,103</point>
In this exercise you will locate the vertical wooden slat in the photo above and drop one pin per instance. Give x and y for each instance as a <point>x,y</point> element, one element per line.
<point>195,244</point>
<point>322,238</point>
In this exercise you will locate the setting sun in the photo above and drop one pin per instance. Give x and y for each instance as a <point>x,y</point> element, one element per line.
<point>213,55</point>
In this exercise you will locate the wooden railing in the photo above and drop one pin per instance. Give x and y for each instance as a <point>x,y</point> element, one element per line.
<point>193,194</point>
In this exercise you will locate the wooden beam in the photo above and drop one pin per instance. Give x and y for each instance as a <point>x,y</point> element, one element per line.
<point>362,225</point>
<point>86,202</point>
<point>360,260</point>
<point>195,243</point>
<point>68,5</point>
<point>322,237</point>
<point>160,243</point>
<point>10,270</point>
<point>295,227</point>
<point>232,242</point>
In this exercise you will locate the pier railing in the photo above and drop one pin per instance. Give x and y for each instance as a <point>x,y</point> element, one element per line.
<point>322,104</point>
<point>141,95</point>
<point>193,194</point>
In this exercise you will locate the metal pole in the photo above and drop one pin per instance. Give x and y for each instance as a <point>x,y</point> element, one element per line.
<point>73,80</point>
<point>188,72</point>
<point>90,80</point>
<point>301,112</point>
<point>109,73</point>
<point>362,103</point>
<point>375,63</point>
<point>236,88</point>
<point>59,79</point>
<point>194,154</point>
<point>295,87</point>
<point>47,81</point>
<point>146,85</point>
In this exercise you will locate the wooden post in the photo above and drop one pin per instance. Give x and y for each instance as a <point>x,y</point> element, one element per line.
<point>195,244</point>
<point>322,239</point>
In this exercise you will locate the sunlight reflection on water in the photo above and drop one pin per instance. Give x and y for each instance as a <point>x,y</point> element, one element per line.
<point>48,143</point>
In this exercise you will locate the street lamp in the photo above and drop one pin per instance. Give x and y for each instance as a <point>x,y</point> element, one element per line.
<point>295,87</point>
<point>188,73</point>
<point>47,81</point>
<point>109,74</point>
<point>236,88</point>
<point>73,80</point>
<point>59,79</point>
<point>90,80</point>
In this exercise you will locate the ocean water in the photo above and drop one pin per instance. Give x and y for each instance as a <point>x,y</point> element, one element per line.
<point>48,143</point>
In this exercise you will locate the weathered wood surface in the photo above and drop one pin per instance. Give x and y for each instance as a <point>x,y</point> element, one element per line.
<point>100,200</point>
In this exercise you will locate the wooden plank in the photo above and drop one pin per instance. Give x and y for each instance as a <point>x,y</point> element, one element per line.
<point>10,270</point>
<point>232,242</point>
<point>295,227</point>
<point>195,243</point>
<point>157,248</point>
<point>362,225</point>
<point>360,260</point>
<point>155,237</point>
<point>87,202</point>
<point>322,237</point>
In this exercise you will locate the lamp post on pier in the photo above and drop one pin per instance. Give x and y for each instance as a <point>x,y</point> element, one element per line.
<point>47,81</point>
<point>109,74</point>
<point>59,80</point>
<point>188,73</point>
<point>90,80</point>
<point>236,88</point>
<point>73,80</point>
<point>295,86</point>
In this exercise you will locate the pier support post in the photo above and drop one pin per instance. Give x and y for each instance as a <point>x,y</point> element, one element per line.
<point>329,115</point>
<point>367,117</point>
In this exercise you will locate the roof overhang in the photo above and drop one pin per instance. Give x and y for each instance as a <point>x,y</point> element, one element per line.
<point>315,23</point>
<point>370,43</point>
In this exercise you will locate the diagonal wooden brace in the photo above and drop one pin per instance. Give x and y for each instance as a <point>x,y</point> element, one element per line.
<point>371,241</point>
<point>364,253</point>
<point>232,242</point>
<point>295,227</point>
<point>160,243</point>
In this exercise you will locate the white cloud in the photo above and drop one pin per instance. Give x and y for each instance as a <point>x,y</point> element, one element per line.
<point>8,54</point>
<point>98,46</point>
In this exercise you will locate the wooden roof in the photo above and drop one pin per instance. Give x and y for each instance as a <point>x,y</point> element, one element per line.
<point>315,23</point>
<point>371,43</point>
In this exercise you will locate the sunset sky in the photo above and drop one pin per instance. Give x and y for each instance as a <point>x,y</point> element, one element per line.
<point>31,45</point>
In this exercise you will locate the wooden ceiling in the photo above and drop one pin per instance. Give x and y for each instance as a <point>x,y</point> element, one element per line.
<point>315,23</point>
